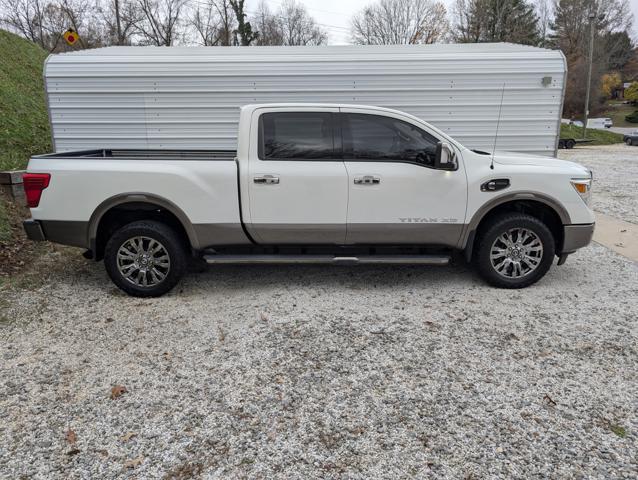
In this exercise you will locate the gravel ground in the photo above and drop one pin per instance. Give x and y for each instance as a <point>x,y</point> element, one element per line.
<point>318,372</point>
<point>615,170</point>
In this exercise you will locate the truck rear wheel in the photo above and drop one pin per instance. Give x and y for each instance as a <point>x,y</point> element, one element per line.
<point>514,251</point>
<point>145,258</point>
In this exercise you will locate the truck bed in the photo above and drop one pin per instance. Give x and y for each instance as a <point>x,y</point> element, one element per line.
<point>138,154</point>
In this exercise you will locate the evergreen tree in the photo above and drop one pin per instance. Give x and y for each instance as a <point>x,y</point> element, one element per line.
<point>244,29</point>
<point>512,21</point>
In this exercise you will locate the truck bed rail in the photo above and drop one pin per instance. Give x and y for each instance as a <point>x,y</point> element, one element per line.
<point>138,154</point>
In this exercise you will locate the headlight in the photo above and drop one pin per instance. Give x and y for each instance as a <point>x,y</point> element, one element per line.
<point>583,187</point>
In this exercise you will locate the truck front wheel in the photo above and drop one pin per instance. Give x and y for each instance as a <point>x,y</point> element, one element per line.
<point>514,251</point>
<point>145,258</point>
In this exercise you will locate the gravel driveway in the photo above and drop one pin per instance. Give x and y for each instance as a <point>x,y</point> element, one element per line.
<point>615,170</point>
<point>308,372</point>
<point>327,372</point>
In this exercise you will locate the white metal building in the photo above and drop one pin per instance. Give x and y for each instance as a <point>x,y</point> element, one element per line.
<point>189,97</point>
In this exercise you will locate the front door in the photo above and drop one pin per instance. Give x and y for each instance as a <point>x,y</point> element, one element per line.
<point>297,185</point>
<point>396,194</point>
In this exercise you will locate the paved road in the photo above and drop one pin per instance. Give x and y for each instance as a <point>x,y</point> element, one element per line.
<point>624,130</point>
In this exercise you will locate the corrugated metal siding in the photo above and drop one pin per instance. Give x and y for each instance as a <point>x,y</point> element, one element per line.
<point>176,97</point>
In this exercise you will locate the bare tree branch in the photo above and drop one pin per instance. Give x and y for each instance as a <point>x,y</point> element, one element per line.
<point>160,21</point>
<point>400,22</point>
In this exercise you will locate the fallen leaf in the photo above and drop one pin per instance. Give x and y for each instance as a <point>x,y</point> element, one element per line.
<point>117,391</point>
<point>70,436</point>
<point>109,320</point>
<point>103,452</point>
<point>133,463</point>
<point>549,400</point>
<point>263,317</point>
<point>126,437</point>
<point>74,451</point>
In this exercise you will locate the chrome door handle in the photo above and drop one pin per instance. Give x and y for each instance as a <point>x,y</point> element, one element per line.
<point>266,179</point>
<point>367,180</point>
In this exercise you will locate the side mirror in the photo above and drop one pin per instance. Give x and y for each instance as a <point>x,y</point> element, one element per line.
<point>445,158</point>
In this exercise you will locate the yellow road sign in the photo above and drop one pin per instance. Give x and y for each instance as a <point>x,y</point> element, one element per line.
<point>71,36</point>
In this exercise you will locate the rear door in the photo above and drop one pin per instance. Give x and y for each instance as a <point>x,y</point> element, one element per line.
<point>396,196</point>
<point>297,184</point>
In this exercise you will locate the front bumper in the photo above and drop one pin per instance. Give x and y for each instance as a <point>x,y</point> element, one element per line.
<point>33,229</point>
<point>577,236</point>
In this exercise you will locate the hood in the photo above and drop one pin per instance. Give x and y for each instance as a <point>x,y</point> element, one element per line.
<point>515,158</point>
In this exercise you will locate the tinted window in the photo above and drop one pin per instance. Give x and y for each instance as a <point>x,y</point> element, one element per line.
<point>373,137</point>
<point>291,135</point>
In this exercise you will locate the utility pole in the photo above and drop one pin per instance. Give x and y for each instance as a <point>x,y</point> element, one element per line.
<point>592,17</point>
<point>117,22</point>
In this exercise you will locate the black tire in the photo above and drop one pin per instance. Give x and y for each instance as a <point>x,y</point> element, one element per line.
<point>571,144</point>
<point>171,245</point>
<point>497,227</point>
<point>629,142</point>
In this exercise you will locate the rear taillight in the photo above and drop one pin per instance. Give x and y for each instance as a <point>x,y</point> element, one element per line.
<point>33,184</point>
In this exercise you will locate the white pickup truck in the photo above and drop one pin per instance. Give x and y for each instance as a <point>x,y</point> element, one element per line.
<point>312,183</point>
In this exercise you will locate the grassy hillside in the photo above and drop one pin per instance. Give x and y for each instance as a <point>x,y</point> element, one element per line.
<point>24,124</point>
<point>617,112</point>
<point>599,137</point>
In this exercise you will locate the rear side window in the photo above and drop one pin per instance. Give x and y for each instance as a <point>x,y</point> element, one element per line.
<point>379,138</point>
<point>296,136</point>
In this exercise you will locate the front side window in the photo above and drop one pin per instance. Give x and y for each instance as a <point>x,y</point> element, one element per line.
<point>296,135</point>
<point>378,138</point>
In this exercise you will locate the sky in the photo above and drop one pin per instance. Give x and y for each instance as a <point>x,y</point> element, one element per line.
<point>334,15</point>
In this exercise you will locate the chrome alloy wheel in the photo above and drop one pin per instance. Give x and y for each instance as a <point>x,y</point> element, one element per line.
<point>143,261</point>
<point>516,253</point>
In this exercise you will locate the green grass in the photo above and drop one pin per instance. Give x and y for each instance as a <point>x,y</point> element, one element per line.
<point>599,137</point>
<point>24,123</point>
<point>617,112</point>
<point>5,231</point>
<point>618,430</point>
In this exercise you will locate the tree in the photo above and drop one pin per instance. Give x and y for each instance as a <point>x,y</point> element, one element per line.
<point>244,29</point>
<point>298,27</point>
<point>215,23</point>
<point>612,19</point>
<point>610,82</point>
<point>291,25</point>
<point>400,22</point>
<point>268,26</point>
<point>619,49</point>
<point>544,12</point>
<point>119,19</point>
<point>631,92</point>
<point>44,23</point>
<point>571,22</point>
<point>26,17</point>
<point>159,21</point>
<point>496,21</point>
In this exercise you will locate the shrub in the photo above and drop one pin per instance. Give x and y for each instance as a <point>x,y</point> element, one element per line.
<point>632,117</point>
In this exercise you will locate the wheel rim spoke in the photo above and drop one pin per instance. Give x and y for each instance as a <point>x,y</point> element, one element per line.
<point>516,252</point>
<point>143,261</point>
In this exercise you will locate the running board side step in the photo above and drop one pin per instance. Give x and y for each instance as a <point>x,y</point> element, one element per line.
<point>329,259</point>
